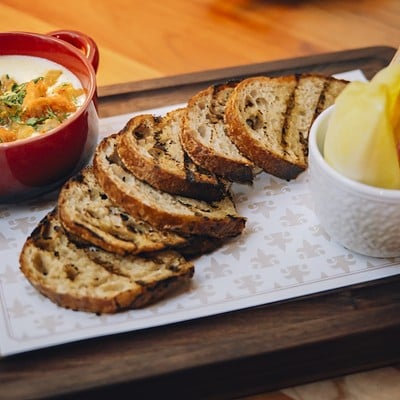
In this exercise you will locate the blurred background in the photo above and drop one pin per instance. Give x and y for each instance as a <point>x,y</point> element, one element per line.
<point>148,39</point>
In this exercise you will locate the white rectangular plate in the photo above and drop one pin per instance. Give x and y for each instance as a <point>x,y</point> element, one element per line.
<point>282,254</point>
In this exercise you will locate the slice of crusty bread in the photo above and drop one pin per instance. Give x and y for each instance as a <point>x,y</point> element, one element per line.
<point>89,279</point>
<point>269,119</point>
<point>151,149</point>
<point>89,216</point>
<point>160,209</point>
<point>204,135</point>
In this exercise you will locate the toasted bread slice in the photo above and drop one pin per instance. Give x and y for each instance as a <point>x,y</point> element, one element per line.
<point>269,119</point>
<point>151,149</point>
<point>204,135</point>
<point>160,209</point>
<point>90,217</point>
<point>89,279</point>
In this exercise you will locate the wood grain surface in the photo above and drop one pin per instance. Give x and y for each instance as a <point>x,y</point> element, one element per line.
<point>148,39</point>
<point>149,52</point>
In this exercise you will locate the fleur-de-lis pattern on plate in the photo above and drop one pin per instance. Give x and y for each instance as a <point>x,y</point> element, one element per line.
<point>282,253</point>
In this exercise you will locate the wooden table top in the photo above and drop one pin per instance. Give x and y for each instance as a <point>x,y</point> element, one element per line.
<point>152,39</point>
<point>148,39</point>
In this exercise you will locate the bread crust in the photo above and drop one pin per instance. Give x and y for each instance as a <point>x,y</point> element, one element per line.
<point>91,280</point>
<point>150,148</point>
<point>227,162</point>
<point>272,158</point>
<point>164,211</point>
<point>89,216</point>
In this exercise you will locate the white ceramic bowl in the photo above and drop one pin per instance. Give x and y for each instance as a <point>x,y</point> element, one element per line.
<point>362,218</point>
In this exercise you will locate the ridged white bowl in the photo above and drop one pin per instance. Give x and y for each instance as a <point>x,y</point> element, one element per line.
<point>363,218</point>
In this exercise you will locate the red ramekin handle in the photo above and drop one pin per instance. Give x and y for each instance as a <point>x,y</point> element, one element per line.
<point>82,42</point>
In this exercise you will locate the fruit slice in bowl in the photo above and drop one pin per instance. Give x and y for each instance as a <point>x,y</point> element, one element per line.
<point>362,137</point>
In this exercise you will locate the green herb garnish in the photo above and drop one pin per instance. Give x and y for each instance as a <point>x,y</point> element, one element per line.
<point>15,97</point>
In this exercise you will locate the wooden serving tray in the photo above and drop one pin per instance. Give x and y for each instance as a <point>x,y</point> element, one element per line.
<point>232,354</point>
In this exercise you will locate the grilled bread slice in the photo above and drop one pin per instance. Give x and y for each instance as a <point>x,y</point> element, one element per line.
<point>151,149</point>
<point>160,209</point>
<point>204,135</point>
<point>269,119</point>
<point>89,216</point>
<point>86,278</point>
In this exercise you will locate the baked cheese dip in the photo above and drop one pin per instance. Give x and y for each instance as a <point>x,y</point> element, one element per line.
<point>36,95</point>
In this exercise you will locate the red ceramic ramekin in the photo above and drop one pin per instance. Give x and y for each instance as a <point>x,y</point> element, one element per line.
<point>36,165</point>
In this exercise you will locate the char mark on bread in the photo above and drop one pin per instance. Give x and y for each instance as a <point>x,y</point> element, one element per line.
<point>204,135</point>
<point>90,216</point>
<point>269,118</point>
<point>150,148</point>
<point>184,215</point>
<point>86,278</point>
